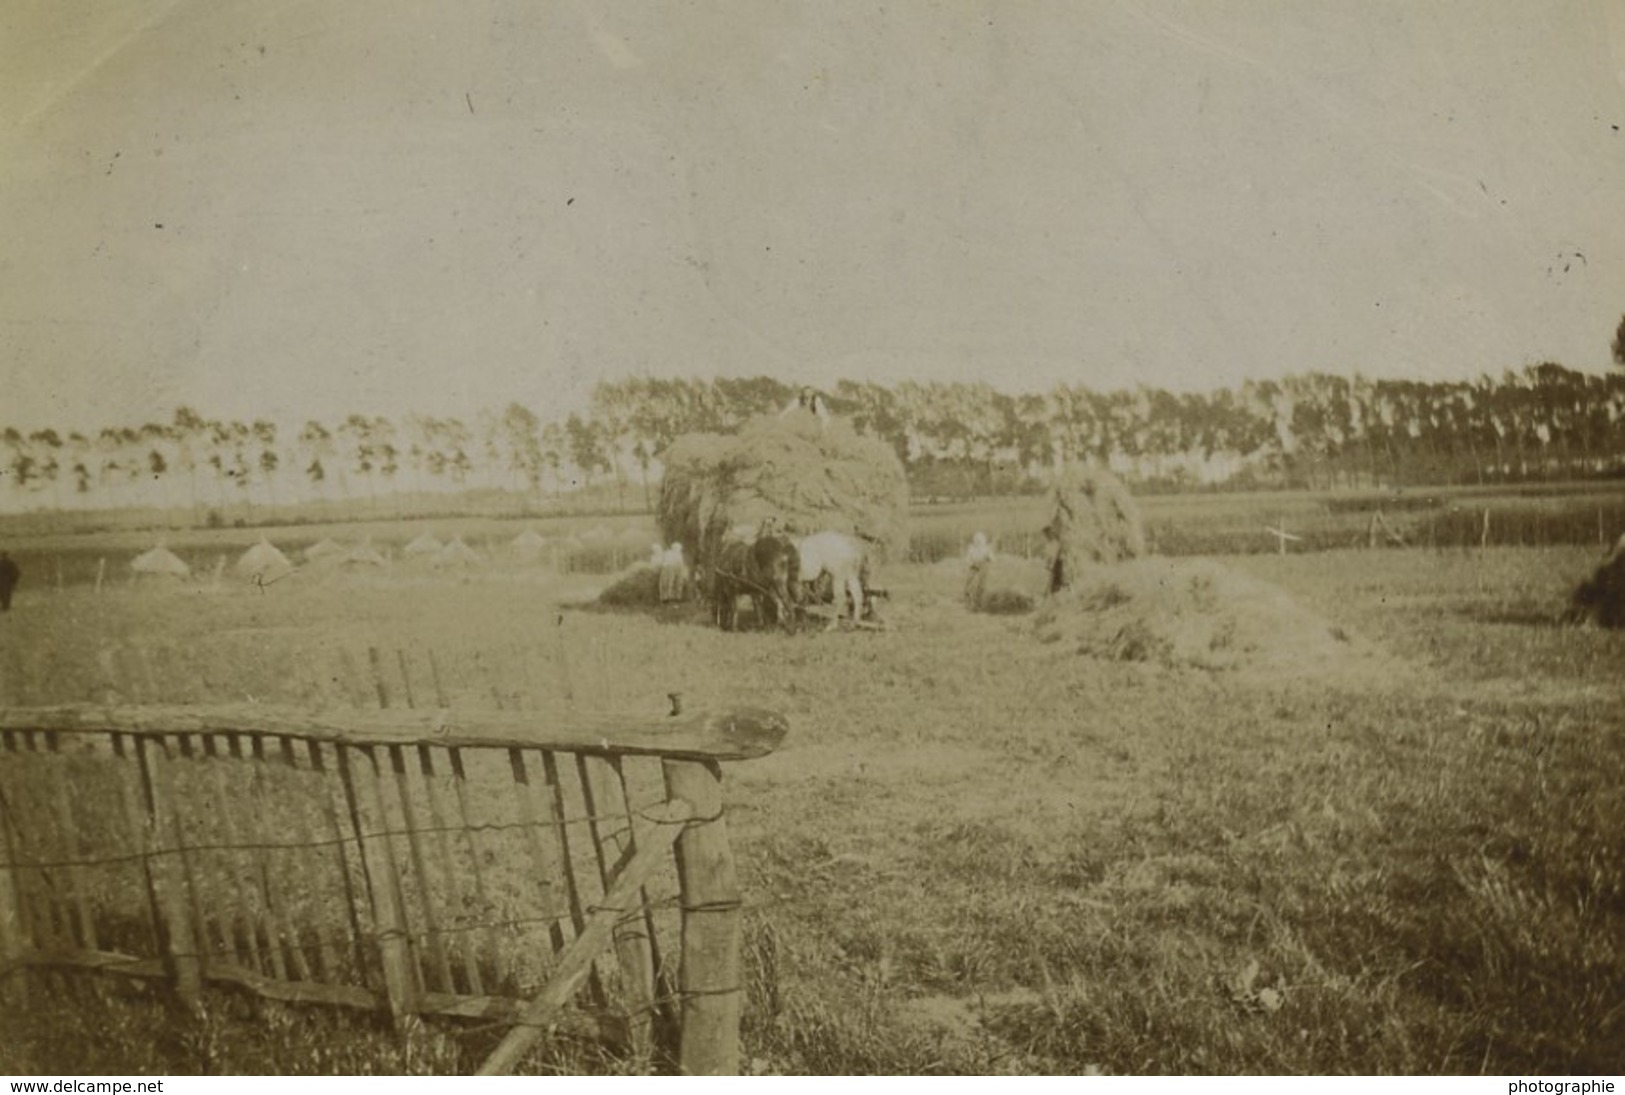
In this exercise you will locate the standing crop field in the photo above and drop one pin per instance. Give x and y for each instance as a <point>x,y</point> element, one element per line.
<point>981,852</point>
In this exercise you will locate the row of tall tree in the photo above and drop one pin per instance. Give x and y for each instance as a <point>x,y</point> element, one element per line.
<point>1314,430</point>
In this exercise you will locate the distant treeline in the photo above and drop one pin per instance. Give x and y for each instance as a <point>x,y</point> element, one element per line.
<point>1312,431</point>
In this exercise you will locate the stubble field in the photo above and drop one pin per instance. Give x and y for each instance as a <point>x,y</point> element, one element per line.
<point>978,851</point>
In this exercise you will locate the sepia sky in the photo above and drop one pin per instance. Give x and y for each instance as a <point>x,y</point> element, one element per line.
<point>293,208</point>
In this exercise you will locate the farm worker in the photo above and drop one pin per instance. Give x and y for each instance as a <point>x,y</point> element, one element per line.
<point>978,555</point>
<point>1058,577</point>
<point>673,575</point>
<point>10,575</point>
<point>810,401</point>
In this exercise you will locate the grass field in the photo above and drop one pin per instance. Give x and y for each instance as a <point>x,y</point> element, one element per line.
<point>978,852</point>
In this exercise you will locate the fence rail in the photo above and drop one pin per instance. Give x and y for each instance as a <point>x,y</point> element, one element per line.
<point>481,864</point>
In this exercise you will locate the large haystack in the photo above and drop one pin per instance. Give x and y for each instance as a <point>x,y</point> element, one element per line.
<point>1094,520</point>
<point>1193,613</point>
<point>264,561</point>
<point>1600,599</point>
<point>160,562</point>
<point>810,474</point>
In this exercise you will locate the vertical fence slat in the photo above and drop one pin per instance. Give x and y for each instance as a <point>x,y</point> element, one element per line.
<point>468,958</point>
<point>323,968</point>
<point>406,680</point>
<point>281,934</point>
<point>18,875</point>
<point>215,936</point>
<point>334,807</point>
<point>411,793</point>
<point>14,937</point>
<point>358,766</point>
<point>78,896</point>
<point>133,808</point>
<point>539,843</point>
<point>174,896</point>
<point>459,786</point>
<point>709,978</point>
<point>572,882</point>
<point>604,789</point>
<point>241,923</point>
<point>47,916</point>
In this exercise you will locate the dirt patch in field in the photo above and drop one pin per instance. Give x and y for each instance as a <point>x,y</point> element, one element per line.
<point>1196,613</point>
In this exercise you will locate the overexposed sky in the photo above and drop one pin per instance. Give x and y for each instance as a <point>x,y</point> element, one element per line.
<point>307,208</point>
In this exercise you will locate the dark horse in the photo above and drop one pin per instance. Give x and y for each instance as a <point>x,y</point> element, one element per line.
<point>766,570</point>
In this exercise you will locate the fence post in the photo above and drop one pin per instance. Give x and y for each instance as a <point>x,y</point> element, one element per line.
<point>709,980</point>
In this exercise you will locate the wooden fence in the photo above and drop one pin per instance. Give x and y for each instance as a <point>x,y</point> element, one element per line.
<point>569,873</point>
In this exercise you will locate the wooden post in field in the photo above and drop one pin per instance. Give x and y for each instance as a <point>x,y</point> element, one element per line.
<point>1281,535</point>
<point>101,572</point>
<point>709,974</point>
<point>564,661</point>
<point>1484,537</point>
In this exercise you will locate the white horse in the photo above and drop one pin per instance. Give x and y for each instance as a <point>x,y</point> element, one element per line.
<point>846,562</point>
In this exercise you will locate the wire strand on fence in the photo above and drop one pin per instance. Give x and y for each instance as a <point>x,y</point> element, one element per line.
<point>113,961</point>
<point>300,845</point>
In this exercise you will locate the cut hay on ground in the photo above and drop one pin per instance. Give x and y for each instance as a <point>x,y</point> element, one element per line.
<point>1008,585</point>
<point>1095,519</point>
<point>264,561</point>
<point>811,475</point>
<point>1600,599</point>
<point>160,562</point>
<point>637,588</point>
<point>1191,613</point>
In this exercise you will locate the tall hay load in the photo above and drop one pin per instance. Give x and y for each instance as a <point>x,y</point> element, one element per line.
<point>1094,519</point>
<point>811,474</point>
